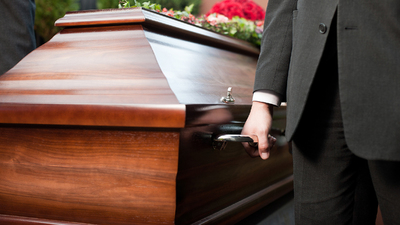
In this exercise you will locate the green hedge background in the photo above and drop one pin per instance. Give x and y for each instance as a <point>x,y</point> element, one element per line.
<point>48,11</point>
<point>169,4</point>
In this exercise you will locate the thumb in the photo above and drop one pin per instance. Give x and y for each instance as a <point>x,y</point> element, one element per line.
<point>263,147</point>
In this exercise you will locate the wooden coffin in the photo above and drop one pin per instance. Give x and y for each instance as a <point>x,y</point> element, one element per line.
<point>112,122</point>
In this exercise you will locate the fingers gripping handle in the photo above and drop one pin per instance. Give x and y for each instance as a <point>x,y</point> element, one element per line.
<point>237,138</point>
<point>220,141</point>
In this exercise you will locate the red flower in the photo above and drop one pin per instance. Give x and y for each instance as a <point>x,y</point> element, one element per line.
<point>243,8</point>
<point>170,13</point>
<point>259,23</point>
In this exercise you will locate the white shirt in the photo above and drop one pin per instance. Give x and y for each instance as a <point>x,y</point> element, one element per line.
<point>267,96</point>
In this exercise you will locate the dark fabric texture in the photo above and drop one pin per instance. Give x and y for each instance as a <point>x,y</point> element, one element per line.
<point>17,37</point>
<point>332,185</point>
<point>368,66</point>
<point>337,62</point>
<point>385,177</point>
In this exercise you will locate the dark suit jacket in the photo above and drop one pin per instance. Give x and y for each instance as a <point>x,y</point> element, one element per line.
<point>368,42</point>
<point>17,37</point>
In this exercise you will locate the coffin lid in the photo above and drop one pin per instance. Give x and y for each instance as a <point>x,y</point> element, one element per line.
<point>151,18</point>
<point>72,81</point>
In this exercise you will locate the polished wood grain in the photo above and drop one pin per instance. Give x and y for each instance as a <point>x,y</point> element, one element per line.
<point>158,21</point>
<point>110,122</point>
<point>99,176</point>
<point>211,183</point>
<point>91,76</point>
<point>237,211</point>
<point>96,17</point>
<point>201,74</point>
<point>20,220</point>
<point>138,115</point>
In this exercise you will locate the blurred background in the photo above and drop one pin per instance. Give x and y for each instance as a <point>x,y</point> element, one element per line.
<point>48,11</point>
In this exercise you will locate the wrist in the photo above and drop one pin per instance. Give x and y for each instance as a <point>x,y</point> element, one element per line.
<point>262,106</point>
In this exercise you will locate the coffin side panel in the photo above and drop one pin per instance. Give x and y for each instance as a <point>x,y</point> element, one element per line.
<point>20,220</point>
<point>99,176</point>
<point>224,185</point>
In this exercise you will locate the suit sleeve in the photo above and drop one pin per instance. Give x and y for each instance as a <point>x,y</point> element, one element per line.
<point>276,45</point>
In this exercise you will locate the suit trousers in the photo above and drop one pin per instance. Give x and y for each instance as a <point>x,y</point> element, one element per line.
<point>331,184</point>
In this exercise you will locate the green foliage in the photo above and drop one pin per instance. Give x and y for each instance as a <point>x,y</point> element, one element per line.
<point>169,4</point>
<point>241,28</point>
<point>146,5</point>
<point>179,5</point>
<point>107,4</point>
<point>149,5</point>
<point>236,27</point>
<point>47,12</point>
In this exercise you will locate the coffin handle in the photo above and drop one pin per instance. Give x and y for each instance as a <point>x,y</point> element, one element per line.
<point>237,138</point>
<point>220,141</point>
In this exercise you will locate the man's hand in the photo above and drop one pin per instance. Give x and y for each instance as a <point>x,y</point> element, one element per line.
<point>259,123</point>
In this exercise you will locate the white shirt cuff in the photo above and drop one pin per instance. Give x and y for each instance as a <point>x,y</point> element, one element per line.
<point>267,96</point>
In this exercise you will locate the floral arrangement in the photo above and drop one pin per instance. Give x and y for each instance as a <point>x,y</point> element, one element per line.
<point>229,23</point>
<point>242,8</point>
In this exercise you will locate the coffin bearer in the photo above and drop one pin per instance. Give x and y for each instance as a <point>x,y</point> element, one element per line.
<point>337,64</point>
<point>17,37</point>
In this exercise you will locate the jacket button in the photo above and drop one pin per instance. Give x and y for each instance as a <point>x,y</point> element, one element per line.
<point>322,28</point>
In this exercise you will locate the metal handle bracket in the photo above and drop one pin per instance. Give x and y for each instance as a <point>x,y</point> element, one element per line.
<point>221,141</point>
